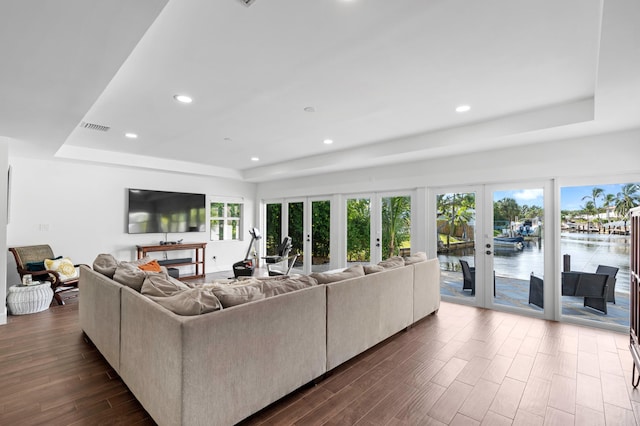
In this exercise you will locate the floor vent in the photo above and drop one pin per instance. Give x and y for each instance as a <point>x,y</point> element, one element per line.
<point>93,126</point>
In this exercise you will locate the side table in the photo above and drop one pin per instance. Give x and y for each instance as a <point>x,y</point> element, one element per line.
<point>29,299</point>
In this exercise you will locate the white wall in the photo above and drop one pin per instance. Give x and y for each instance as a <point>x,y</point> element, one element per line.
<point>80,210</point>
<point>3,229</point>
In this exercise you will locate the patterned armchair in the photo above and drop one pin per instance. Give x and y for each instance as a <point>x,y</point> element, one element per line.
<point>40,262</point>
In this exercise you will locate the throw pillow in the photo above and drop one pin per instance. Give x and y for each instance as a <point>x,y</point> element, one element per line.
<point>236,294</point>
<point>105,264</point>
<point>372,269</point>
<point>193,301</point>
<point>161,285</point>
<point>415,258</point>
<point>326,278</point>
<point>392,262</point>
<point>272,286</point>
<point>37,266</point>
<point>64,267</point>
<point>152,266</point>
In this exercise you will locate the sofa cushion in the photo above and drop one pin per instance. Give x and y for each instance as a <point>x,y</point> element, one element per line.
<point>392,262</point>
<point>326,278</point>
<point>272,286</point>
<point>161,285</point>
<point>105,264</point>
<point>415,258</point>
<point>372,269</point>
<point>129,275</point>
<point>192,301</point>
<point>236,292</point>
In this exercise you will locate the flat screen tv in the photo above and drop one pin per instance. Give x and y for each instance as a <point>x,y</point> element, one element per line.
<point>164,212</point>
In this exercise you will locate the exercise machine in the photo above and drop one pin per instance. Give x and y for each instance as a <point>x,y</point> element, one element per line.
<point>245,267</point>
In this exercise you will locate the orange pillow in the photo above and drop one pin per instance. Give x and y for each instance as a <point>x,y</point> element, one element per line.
<point>152,266</point>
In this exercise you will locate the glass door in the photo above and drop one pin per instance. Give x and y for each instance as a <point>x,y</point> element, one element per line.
<point>514,246</point>
<point>308,223</point>
<point>396,226</point>
<point>320,237</point>
<point>455,226</point>
<point>296,230</point>
<point>273,228</point>
<point>359,230</point>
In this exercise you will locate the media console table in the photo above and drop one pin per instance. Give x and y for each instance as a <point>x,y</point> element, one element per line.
<point>198,261</point>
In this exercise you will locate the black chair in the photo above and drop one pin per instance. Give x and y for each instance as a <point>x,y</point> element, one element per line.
<point>468,277</point>
<point>594,289</point>
<point>611,282</point>
<point>536,291</point>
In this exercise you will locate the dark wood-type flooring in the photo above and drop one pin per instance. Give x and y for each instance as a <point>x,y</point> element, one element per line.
<point>463,366</point>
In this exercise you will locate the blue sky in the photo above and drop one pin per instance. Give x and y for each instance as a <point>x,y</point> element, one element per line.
<point>530,197</point>
<point>570,196</point>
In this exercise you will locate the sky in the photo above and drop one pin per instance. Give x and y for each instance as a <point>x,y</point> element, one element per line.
<point>571,197</point>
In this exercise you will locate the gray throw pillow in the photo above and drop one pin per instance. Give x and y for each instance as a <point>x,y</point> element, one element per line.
<point>372,269</point>
<point>326,278</point>
<point>193,301</point>
<point>234,295</point>
<point>272,286</point>
<point>415,258</point>
<point>130,276</point>
<point>392,262</point>
<point>105,264</point>
<point>158,284</point>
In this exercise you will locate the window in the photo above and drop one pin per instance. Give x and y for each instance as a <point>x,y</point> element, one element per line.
<point>226,221</point>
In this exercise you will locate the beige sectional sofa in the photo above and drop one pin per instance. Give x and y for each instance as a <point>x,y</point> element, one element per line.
<point>221,367</point>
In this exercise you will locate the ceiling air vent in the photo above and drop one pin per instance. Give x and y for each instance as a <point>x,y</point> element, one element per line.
<point>93,126</point>
<point>247,2</point>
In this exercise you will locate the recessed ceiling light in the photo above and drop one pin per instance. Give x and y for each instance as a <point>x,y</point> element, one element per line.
<point>327,141</point>
<point>255,159</point>
<point>309,109</point>
<point>183,99</point>
<point>463,108</point>
<point>131,135</point>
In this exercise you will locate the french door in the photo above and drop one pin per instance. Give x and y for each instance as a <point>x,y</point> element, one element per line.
<point>490,240</point>
<point>378,226</point>
<point>308,222</point>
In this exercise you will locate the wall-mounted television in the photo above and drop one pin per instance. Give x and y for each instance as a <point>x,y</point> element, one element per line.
<point>165,211</point>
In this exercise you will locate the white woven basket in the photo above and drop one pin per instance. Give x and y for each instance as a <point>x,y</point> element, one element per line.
<point>29,299</point>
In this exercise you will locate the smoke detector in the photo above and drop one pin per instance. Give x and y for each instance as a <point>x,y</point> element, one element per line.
<point>247,2</point>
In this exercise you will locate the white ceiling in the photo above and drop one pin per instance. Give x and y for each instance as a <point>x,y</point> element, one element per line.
<point>384,78</point>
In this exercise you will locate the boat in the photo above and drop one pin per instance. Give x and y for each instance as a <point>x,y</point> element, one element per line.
<point>515,243</point>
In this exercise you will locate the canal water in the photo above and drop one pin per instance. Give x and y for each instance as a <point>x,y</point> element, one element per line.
<point>587,251</point>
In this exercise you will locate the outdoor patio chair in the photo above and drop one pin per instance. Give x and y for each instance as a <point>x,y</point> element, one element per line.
<point>593,287</point>
<point>30,260</point>
<point>536,292</point>
<point>611,282</point>
<point>468,277</point>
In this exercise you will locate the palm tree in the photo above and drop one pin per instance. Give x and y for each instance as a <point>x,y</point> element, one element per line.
<point>595,194</point>
<point>627,199</point>
<point>589,209</point>
<point>609,200</point>
<point>396,223</point>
